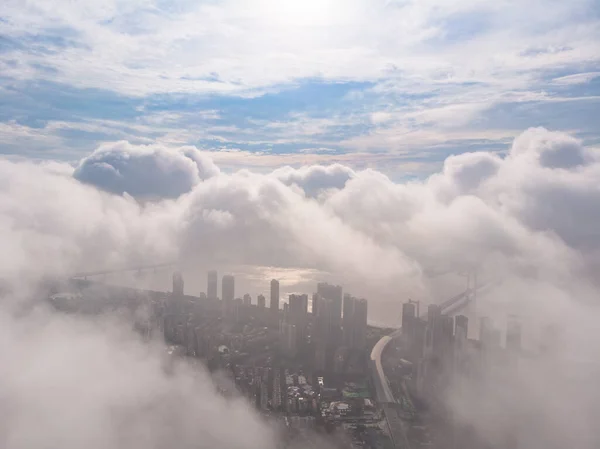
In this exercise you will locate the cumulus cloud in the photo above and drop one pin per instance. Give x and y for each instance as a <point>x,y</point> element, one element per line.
<point>552,150</point>
<point>519,209</point>
<point>73,383</point>
<point>529,218</point>
<point>315,179</point>
<point>145,171</point>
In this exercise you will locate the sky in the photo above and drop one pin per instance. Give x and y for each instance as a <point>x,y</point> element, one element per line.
<point>392,85</point>
<point>388,146</point>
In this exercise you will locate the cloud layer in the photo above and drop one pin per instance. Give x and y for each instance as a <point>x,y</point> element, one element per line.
<point>536,204</point>
<point>74,383</point>
<point>435,42</point>
<point>529,218</point>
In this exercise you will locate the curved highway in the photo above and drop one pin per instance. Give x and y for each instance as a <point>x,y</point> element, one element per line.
<point>384,395</point>
<point>383,392</point>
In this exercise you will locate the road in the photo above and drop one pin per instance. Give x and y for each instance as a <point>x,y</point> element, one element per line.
<point>383,392</point>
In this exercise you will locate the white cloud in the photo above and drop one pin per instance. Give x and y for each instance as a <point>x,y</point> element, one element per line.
<point>236,46</point>
<point>447,63</point>
<point>316,179</point>
<point>529,218</point>
<point>578,78</point>
<point>94,384</point>
<point>271,220</point>
<point>145,171</point>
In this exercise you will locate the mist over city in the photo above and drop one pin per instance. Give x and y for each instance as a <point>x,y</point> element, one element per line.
<point>283,224</point>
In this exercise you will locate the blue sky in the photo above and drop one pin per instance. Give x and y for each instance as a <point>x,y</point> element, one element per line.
<point>392,85</point>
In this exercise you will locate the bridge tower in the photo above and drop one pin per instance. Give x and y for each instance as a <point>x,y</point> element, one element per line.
<point>471,289</point>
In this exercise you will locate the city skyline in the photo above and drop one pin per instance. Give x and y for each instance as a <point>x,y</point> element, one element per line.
<point>273,224</point>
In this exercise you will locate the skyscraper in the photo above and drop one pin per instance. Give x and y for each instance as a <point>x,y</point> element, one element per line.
<point>322,334</point>
<point>228,293</point>
<point>261,301</point>
<point>461,328</point>
<point>433,331</point>
<point>447,333</point>
<point>177,284</point>
<point>247,299</point>
<point>354,321</point>
<point>332,293</point>
<point>315,303</point>
<point>348,311</point>
<point>289,338</point>
<point>212,281</point>
<point>409,313</point>
<point>228,287</point>
<point>274,304</point>
<point>298,316</point>
<point>359,324</point>
<point>298,304</point>
<point>461,332</point>
<point>348,319</point>
<point>323,322</point>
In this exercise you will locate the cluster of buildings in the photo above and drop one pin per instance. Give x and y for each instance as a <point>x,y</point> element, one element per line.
<point>439,349</point>
<point>325,331</point>
<point>439,358</point>
<point>277,389</point>
<point>281,358</point>
<point>333,329</point>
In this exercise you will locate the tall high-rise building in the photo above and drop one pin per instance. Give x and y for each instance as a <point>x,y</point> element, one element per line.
<point>287,332</point>
<point>212,282</point>
<point>177,284</point>
<point>461,328</point>
<point>274,304</point>
<point>247,299</point>
<point>298,316</point>
<point>322,334</point>
<point>334,293</point>
<point>433,330</point>
<point>228,297</point>
<point>354,322</point>
<point>323,321</point>
<point>461,332</point>
<point>347,311</point>
<point>359,324</point>
<point>409,313</point>
<point>513,333</point>
<point>261,301</point>
<point>315,304</point>
<point>228,287</point>
<point>298,304</point>
<point>235,313</point>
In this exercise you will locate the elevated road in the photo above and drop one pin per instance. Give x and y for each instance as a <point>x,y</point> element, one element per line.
<point>383,391</point>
